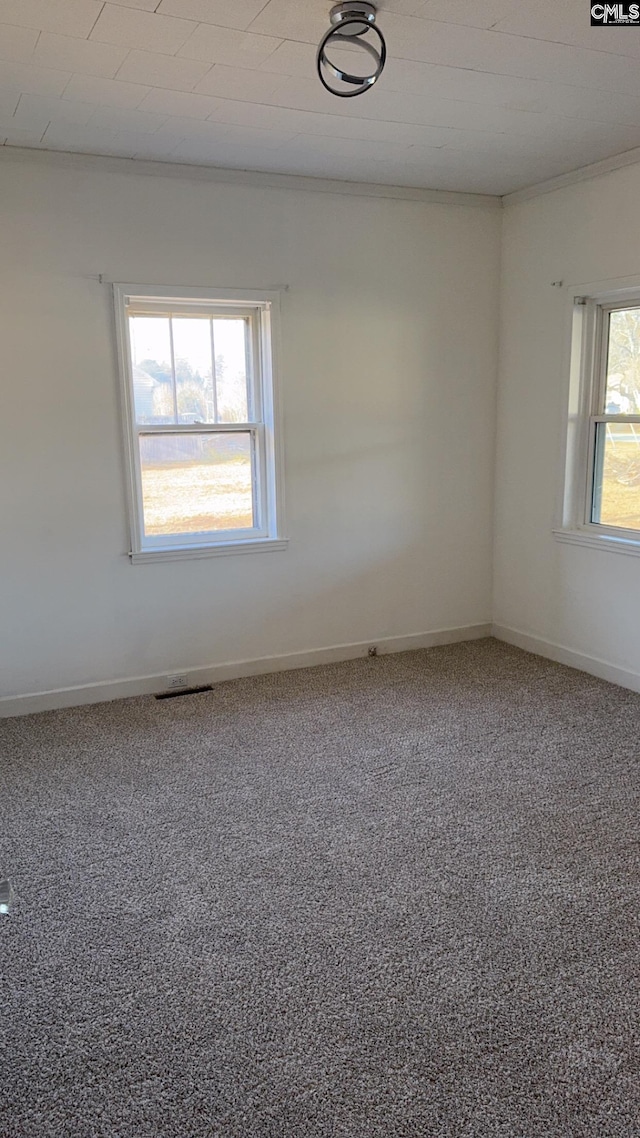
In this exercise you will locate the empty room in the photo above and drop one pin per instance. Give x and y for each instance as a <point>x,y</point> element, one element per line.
<point>319,617</point>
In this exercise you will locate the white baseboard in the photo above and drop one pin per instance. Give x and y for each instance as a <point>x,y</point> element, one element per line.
<point>580,660</point>
<point>149,685</point>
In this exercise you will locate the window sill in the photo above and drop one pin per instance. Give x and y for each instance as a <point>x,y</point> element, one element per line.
<point>182,553</point>
<point>604,541</point>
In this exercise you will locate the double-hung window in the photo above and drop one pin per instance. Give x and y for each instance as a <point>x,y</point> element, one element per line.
<point>602,483</point>
<point>201,424</point>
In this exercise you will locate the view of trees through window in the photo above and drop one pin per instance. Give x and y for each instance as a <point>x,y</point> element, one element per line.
<point>617,480</point>
<point>193,370</point>
<point>189,369</point>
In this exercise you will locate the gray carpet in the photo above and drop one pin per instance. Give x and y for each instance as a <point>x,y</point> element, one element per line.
<point>394,897</point>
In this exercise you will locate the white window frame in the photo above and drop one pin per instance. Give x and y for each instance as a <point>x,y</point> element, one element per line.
<point>262,308</point>
<point>588,309</point>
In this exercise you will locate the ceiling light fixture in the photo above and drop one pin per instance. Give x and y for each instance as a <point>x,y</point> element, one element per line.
<point>351,23</point>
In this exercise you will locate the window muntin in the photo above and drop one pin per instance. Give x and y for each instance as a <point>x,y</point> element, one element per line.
<point>613,498</point>
<point>200,418</point>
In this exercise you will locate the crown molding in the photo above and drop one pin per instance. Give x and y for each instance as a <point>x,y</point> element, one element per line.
<point>257,178</point>
<point>582,174</point>
<point>271,180</point>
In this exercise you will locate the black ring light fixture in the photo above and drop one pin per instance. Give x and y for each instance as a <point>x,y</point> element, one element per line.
<point>351,20</point>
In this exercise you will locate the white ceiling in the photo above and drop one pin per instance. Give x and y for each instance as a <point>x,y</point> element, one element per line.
<point>478,95</point>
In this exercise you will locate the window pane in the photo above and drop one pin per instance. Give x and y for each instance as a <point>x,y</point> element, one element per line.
<point>231,338</point>
<point>194,380</point>
<point>623,363</point>
<point>616,499</point>
<point>152,369</point>
<point>196,483</point>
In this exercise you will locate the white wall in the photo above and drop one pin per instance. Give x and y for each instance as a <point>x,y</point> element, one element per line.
<point>585,600</point>
<point>389,364</point>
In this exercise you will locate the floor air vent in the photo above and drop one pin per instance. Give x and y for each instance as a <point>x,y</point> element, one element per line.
<point>183,691</point>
